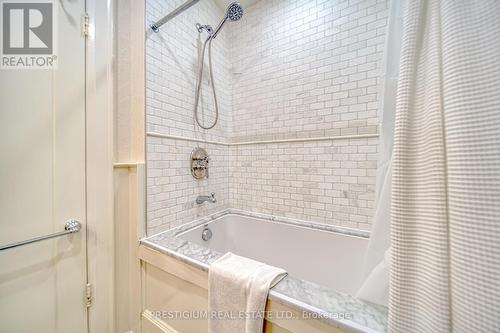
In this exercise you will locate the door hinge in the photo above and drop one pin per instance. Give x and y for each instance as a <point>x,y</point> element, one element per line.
<point>88,295</point>
<point>85,24</point>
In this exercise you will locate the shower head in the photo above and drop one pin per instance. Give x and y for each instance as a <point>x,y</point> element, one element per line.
<point>234,12</point>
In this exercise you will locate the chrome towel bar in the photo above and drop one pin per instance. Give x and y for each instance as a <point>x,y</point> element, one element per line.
<point>70,227</point>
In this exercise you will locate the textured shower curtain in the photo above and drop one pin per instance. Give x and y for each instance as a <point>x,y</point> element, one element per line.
<point>445,207</point>
<point>375,287</point>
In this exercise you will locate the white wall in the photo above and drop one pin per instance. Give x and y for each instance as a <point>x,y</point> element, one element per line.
<point>305,69</point>
<point>322,181</point>
<point>172,190</point>
<point>287,69</point>
<point>171,72</point>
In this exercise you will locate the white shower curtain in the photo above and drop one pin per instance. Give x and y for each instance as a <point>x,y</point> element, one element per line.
<point>445,209</point>
<point>375,287</point>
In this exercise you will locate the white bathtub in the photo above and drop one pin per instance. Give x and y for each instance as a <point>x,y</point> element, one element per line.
<point>328,258</point>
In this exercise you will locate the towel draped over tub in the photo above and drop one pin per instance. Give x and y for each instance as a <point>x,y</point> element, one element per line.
<point>237,293</point>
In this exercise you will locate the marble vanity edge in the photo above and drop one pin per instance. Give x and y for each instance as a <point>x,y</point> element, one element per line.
<point>172,253</point>
<point>201,258</point>
<point>295,304</point>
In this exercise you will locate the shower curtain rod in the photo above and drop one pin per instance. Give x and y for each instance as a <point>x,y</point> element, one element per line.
<point>156,26</point>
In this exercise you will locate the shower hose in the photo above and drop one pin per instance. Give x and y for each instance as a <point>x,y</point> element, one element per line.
<point>198,85</point>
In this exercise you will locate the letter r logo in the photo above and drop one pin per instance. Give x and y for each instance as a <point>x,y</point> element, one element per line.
<point>27,27</point>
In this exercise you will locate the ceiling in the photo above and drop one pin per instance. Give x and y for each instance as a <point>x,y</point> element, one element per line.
<point>245,3</point>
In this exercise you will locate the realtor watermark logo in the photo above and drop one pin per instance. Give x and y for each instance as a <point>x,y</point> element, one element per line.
<point>28,34</point>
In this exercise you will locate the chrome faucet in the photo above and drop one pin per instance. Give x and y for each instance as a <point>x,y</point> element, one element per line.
<point>202,198</point>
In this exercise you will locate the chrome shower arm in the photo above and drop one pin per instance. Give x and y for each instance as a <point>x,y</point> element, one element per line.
<point>219,27</point>
<point>156,26</point>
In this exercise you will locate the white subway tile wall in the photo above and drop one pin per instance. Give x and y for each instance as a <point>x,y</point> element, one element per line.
<point>321,181</point>
<point>172,190</point>
<point>287,69</point>
<point>306,68</point>
<point>172,57</point>
<point>172,71</point>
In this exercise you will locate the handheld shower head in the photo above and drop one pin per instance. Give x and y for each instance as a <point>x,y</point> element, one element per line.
<point>234,12</point>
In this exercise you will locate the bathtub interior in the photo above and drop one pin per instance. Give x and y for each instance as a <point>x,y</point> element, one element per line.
<point>330,259</point>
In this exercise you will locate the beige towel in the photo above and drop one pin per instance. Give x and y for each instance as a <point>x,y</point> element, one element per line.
<point>237,293</point>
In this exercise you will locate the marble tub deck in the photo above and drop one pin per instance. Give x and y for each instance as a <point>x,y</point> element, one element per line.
<point>337,309</point>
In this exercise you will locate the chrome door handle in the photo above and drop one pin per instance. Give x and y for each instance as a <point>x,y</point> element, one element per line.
<point>70,227</point>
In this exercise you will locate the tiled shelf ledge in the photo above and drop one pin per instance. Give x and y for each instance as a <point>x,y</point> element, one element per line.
<point>243,143</point>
